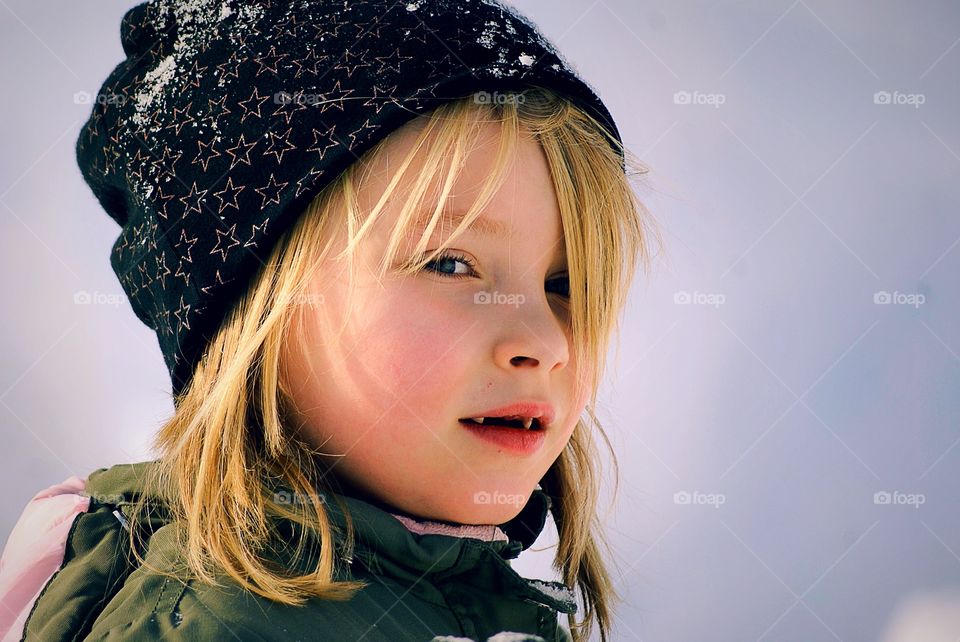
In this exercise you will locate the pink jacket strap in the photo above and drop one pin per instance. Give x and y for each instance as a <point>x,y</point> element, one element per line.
<point>35,551</point>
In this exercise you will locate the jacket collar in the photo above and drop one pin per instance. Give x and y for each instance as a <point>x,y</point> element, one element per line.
<point>402,545</point>
<point>384,527</point>
<point>508,539</point>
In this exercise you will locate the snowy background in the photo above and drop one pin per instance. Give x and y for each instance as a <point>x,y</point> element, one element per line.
<point>788,438</point>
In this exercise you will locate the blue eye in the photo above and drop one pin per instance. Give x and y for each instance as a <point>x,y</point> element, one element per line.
<point>448,262</point>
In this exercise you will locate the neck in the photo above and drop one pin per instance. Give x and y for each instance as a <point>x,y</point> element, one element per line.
<point>421,526</point>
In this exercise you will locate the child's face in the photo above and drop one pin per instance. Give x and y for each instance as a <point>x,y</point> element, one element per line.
<point>417,355</point>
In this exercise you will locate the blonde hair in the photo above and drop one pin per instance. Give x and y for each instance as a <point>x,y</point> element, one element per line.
<point>229,444</point>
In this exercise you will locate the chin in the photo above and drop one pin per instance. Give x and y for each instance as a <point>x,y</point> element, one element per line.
<point>472,505</point>
<point>492,514</point>
<point>489,507</point>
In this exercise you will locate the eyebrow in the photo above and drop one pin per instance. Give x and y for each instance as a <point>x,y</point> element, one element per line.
<point>480,225</point>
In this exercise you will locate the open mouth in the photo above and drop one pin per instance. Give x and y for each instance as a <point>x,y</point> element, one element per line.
<point>531,423</point>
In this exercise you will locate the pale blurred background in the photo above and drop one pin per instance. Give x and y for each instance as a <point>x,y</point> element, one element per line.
<point>788,441</point>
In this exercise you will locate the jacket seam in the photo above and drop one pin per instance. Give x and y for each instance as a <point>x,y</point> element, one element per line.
<point>446,603</point>
<point>165,590</point>
<point>99,606</point>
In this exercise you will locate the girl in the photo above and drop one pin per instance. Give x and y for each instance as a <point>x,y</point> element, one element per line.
<point>384,317</point>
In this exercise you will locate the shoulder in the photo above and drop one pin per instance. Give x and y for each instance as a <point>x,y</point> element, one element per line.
<point>158,600</point>
<point>163,603</point>
<point>155,608</point>
<point>164,609</point>
<point>66,556</point>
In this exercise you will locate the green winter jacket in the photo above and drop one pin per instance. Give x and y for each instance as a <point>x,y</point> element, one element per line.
<point>422,587</point>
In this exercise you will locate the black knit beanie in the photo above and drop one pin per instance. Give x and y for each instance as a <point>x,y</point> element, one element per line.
<point>227,117</point>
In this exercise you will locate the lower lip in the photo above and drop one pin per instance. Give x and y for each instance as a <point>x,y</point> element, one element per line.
<point>516,440</point>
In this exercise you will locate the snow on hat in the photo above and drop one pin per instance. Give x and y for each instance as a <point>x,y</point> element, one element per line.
<point>227,118</point>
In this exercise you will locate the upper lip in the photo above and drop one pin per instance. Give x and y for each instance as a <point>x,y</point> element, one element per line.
<point>542,411</point>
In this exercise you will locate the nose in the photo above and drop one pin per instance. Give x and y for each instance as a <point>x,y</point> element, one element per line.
<point>532,335</point>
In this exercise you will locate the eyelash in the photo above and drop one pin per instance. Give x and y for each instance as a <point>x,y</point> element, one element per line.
<point>463,259</point>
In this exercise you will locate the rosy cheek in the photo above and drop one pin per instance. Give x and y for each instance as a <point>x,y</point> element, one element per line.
<point>415,349</point>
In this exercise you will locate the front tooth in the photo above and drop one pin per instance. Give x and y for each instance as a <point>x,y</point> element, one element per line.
<point>479,420</point>
<point>527,423</point>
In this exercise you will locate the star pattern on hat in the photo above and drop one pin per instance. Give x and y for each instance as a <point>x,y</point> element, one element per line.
<point>271,191</point>
<point>205,154</point>
<point>183,272</point>
<point>391,62</point>
<point>279,143</point>
<point>256,231</point>
<point>145,277</point>
<point>251,106</point>
<point>163,166</point>
<point>288,105</point>
<point>270,61</point>
<point>217,282</point>
<point>350,62</point>
<point>162,269</point>
<point>111,154</point>
<point>217,109</point>
<point>187,243</point>
<point>193,200</point>
<point>370,29</point>
<point>161,321</point>
<point>222,247</point>
<point>230,68</point>
<point>161,201</point>
<point>309,63</point>
<point>288,27</point>
<point>417,32</point>
<point>195,73</point>
<point>335,98</point>
<point>380,97</point>
<point>323,140</point>
<point>182,314</point>
<point>136,165</point>
<point>305,181</point>
<point>241,152</point>
<point>365,129</point>
<point>330,29</point>
<point>228,195</point>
